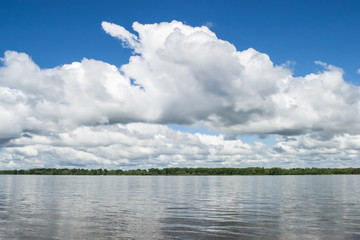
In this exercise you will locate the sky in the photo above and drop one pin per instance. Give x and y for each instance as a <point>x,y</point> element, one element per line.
<point>143,84</point>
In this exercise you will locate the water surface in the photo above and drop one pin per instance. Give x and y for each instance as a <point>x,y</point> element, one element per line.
<point>179,207</point>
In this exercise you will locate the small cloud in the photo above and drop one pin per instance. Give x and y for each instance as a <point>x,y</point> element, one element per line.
<point>328,66</point>
<point>288,64</point>
<point>321,63</point>
<point>209,24</point>
<point>358,71</point>
<point>129,40</point>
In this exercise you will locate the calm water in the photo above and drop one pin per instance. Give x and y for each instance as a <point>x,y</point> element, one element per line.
<point>179,207</point>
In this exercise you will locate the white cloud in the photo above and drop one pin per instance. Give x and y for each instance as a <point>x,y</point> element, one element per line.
<point>140,145</point>
<point>209,24</point>
<point>121,33</point>
<point>180,75</point>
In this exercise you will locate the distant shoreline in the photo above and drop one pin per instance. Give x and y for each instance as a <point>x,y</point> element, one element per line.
<point>251,171</point>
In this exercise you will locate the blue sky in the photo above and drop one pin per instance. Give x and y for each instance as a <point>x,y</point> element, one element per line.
<point>58,32</point>
<point>275,107</point>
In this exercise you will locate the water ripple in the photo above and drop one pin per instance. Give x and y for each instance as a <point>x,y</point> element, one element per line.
<point>179,207</point>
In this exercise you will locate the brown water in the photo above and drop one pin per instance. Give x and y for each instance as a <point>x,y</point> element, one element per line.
<point>179,207</point>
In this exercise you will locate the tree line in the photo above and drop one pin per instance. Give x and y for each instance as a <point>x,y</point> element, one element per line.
<point>186,171</point>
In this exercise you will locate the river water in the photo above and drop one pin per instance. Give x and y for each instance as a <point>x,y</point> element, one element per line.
<point>179,207</point>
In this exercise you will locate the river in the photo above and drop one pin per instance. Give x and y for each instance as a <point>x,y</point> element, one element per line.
<point>179,207</point>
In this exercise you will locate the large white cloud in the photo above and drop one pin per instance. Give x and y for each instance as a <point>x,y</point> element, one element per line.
<point>206,80</point>
<point>53,100</point>
<point>178,74</point>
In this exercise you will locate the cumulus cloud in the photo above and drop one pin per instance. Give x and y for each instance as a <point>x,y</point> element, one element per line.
<point>142,145</point>
<point>178,74</point>
<point>236,91</point>
<point>60,99</point>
